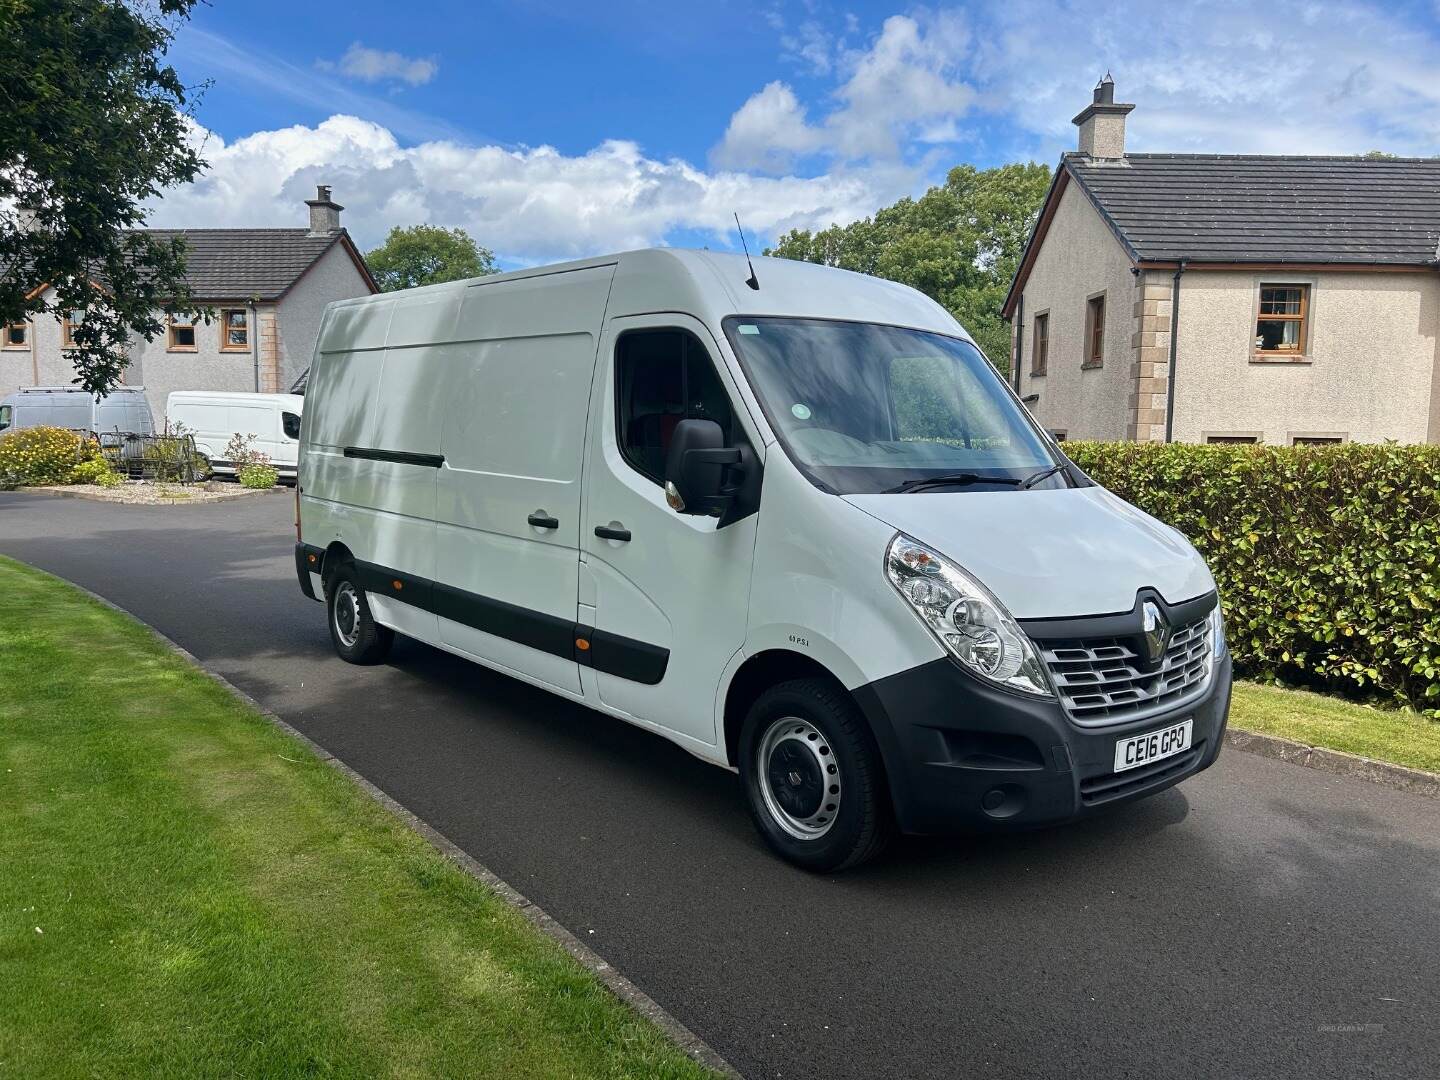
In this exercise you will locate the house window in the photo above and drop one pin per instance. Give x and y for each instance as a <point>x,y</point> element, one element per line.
<point>68,323</point>
<point>1280,328</point>
<point>1316,440</point>
<point>234,330</point>
<point>1040,348</point>
<point>181,334</point>
<point>1094,332</point>
<point>1058,436</point>
<point>1225,440</point>
<point>661,378</point>
<point>17,336</point>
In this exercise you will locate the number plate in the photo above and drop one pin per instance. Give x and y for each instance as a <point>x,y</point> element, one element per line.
<point>1140,750</point>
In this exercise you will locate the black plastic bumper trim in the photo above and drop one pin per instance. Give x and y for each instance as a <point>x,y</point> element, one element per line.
<point>304,567</point>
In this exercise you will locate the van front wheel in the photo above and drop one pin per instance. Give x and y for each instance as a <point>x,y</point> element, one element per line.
<point>813,777</point>
<point>358,638</point>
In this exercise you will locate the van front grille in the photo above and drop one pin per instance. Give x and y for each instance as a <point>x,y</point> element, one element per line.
<point>1101,681</point>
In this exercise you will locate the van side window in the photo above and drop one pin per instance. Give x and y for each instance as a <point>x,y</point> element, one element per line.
<point>291,423</point>
<point>661,378</point>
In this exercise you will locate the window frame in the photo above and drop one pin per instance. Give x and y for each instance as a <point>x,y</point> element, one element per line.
<point>67,328</point>
<point>24,346</point>
<point>225,345</point>
<point>1040,345</point>
<point>171,326</point>
<point>736,435</point>
<point>1091,357</point>
<point>1232,438</point>
<point>1283,356</point>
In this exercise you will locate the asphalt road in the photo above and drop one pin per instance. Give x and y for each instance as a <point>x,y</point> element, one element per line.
<point>1261,920</point>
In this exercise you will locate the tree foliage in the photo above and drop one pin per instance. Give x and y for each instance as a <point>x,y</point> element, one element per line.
<point>95,124</point>
<point>428,255</point>
<point>959,243</point>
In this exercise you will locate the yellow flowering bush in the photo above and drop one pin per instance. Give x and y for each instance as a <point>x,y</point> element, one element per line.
<point>43,455</point>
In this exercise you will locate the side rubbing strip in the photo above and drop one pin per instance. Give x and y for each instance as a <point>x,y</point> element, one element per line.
<point>400,457</point>
<point>613,654</point>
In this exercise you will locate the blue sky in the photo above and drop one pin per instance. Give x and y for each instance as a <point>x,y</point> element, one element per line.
<point>552,129</point>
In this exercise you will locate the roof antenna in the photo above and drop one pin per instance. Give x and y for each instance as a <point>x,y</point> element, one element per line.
<point>752,280</point>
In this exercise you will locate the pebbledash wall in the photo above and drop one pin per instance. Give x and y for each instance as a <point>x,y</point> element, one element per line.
<point>1078,260</point>
<point>1371,335</point>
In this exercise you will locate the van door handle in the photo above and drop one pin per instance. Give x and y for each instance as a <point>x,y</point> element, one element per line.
<point>543,521</point>
<point>613,532</point>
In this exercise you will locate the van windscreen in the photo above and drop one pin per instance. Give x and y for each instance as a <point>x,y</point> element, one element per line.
<point>863,408</point>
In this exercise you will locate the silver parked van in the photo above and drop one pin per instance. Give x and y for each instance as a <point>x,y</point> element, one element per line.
<point>124,410</point>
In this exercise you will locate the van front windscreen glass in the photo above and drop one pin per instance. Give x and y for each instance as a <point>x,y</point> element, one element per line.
<point>864,408</point>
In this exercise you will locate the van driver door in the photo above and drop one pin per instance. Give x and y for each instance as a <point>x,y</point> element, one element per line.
<point>666,595</point>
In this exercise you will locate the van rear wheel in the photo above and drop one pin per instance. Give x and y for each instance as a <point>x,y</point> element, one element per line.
<point>358,638</point>
<point>813,777</point>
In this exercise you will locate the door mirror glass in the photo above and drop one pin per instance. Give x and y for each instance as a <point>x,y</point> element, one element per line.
<point>695,469</point>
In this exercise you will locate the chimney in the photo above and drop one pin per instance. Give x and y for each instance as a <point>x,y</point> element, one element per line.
<point>324,213</point>
<point>1102,124</point>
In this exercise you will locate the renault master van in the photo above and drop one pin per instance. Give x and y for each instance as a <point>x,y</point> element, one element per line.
<point>214,417</point>
<point>790,519</point>
<point>123,410</point>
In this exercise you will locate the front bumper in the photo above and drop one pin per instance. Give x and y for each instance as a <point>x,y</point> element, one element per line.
<point>962,755</point>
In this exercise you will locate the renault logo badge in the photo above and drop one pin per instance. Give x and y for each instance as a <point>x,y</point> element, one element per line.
<point>1156,629</point>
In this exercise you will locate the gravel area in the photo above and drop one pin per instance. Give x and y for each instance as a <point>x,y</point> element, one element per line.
<point>147,493</point>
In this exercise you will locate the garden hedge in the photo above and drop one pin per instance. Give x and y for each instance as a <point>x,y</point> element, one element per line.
<point>1326,557</point>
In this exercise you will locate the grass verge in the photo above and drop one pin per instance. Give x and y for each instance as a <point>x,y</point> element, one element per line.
<point>1404,738</point>
<point>188,891</point>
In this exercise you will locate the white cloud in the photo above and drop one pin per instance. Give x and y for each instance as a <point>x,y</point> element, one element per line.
<point>905,83</point>
<point>377,65</point>
<point>530,204</point>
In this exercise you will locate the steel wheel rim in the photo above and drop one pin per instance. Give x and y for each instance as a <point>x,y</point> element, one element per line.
<point>799,778</point>
<point>347,612</point>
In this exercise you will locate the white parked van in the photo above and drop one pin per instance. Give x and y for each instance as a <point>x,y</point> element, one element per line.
<point>793,522</point>
<point>123,410</point>
<point>215,417</point>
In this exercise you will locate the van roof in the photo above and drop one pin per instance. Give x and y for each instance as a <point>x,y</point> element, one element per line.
<point>78,390</point>
<point>232,395</point>
<point>712,285</point>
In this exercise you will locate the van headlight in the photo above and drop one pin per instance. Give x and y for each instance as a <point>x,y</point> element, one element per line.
<point>970,622</point>
<point>1217,632</point>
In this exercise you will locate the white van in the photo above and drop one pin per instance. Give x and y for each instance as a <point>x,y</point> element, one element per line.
<point>123,410</point>
<point>793,522</point>
<point>215,417</point>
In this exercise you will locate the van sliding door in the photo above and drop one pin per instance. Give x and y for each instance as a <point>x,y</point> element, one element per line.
<point>508,502</point>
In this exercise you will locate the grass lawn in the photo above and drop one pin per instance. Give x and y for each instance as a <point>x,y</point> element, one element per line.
<point>1317,720</point>
<point>186,891</point>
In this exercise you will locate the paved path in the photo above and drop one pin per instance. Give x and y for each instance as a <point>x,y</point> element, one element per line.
<point>1260,920</point>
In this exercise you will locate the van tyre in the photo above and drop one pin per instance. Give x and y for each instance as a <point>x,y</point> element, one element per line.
<point>813,777</point>
<point>358,638</point>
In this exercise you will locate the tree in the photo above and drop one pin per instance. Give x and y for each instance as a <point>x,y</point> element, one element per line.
<point>427,255</point>
<point>94,125</point>
<point>959,243</point>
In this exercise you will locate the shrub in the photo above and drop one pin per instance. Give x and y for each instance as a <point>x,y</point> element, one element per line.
<point>43,455</point>
<point>258,476</point>
<point>1326,557</point>
<point>240,451</point>
<point>95,471</point>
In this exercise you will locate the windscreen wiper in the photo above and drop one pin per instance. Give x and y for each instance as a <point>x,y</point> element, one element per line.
<point>959,479</point>
<point>1044,474</point>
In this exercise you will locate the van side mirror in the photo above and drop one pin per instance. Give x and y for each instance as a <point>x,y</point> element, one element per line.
<point>695,481</point>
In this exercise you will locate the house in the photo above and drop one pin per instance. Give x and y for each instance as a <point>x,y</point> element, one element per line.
<point>1229,298</point>
<point>268,289</point>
